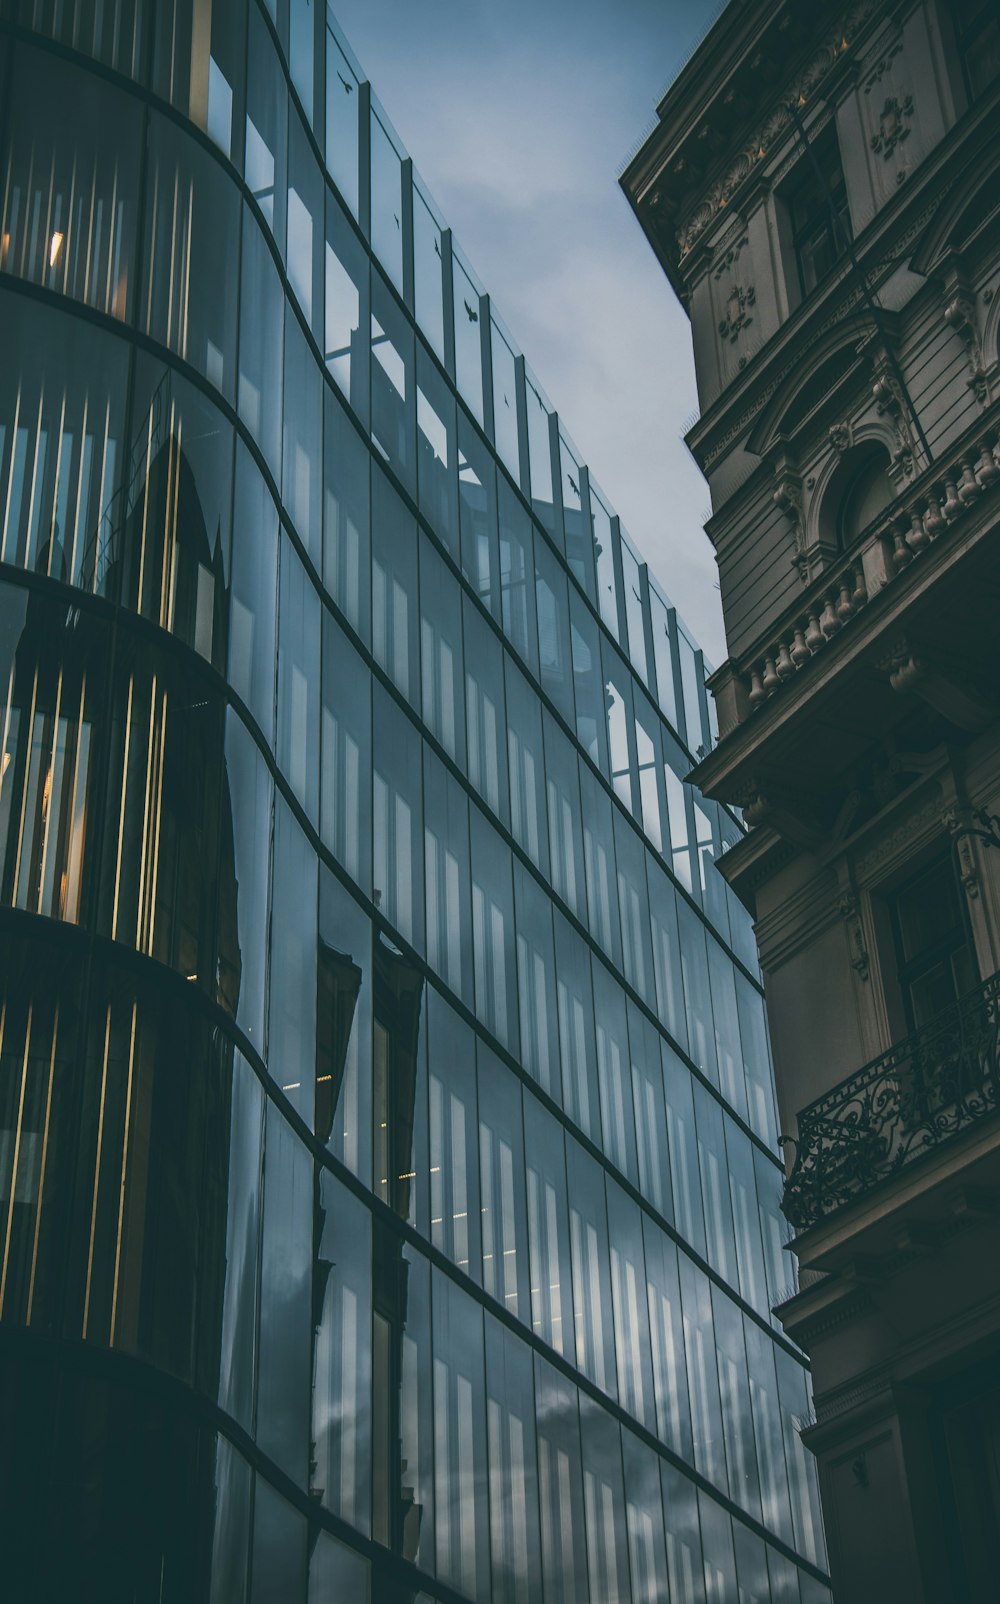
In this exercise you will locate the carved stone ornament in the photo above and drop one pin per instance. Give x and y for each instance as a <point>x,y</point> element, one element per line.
<point>959,824</point>
<point>847,907</point>
<point>787,497</point>
<point>893,125</point>
<point>764,136</point>
<point>729,255</point>
<point>841,437</point>
<point>961,315</point>
<point>889,404</point>
<point>737,317</point>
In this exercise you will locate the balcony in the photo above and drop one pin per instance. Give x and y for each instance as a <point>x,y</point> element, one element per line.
<point>922,1093</point>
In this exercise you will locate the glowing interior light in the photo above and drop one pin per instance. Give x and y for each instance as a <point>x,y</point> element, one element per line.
<point>55,246</point>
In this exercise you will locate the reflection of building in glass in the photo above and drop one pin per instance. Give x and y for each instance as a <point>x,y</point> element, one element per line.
<point>388,1191</point>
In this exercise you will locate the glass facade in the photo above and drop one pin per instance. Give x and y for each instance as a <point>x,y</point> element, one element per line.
<point>388,1181</point>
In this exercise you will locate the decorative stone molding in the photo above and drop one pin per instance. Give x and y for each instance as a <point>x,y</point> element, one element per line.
<point>729,255</point>
<point>841,437</point>
<point>889,404</point>
<point>893,125</point>
<point>787,497</point>
<point>737,316</point>
<point>882,65</point>
<point>766,133</point>
<point>961,313</point>
<point>847,907</point>
<point>959,822</point>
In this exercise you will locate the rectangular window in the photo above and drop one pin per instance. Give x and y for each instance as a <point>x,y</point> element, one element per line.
<point>493,932</point>
<point>395,640</point>
<point>548,1229</point>
<point>460,1474</point>
<point>345,754</point>
<point>513,1467</point>
<point>526,766</point>
<point>484,711</point>
<point>346,517</point>
<point>442,677</point>
<point>446,877</point>
<point>817,204</point>
<point>453,1136</point>
<point>501,1164</point>
<point>397,822</point>
<point>342,1382</point>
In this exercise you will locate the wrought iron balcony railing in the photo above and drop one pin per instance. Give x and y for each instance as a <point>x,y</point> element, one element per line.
<point>919,1094</point>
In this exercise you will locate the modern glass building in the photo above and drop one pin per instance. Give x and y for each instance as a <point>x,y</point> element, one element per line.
<point>388,1177</point>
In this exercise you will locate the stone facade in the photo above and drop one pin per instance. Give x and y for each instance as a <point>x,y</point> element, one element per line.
<point>849,379</point>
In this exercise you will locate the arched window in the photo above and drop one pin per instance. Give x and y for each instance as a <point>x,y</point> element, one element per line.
<point>869,490</point>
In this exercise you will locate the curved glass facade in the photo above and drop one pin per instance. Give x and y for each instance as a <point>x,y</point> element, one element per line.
<point>388,1190</point>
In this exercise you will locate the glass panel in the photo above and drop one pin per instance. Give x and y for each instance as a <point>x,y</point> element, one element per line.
<point>769,1179</point>
<point>666,952</point>
<point>678,795</point>
<point>484,711</point>
<point>742,1190</point>
<point>337,1572</point>
<point>344,1027</point>
<point>565,823</point>
<point>777,1510</point>
<point>239,1310</point>
<point>692,675</point>
<point>548,1228</point>
<point>231,1535</point>
<point>666,1327</point>
<point>493,933</point>
<point>560,1487</point>
<point>793,1395</point>
<point>644,1512</point>
<point>633,906</point>
<point>346,519</point>
<point>62,393</point>
<point>588,680</point>
<point>684,1562</point>
<point>283,1380</point>
<point>279,1548</point>
<point>346,301</point>
<point>446,869</point>
<point>437,452</point>
<point>709,1122</point>
<point>650,1111</point>
<point>400,1087</point>
<point>604,1504</point>
<point>387,202</point>
<point>536,981</point>
<point>505,429</point>
<point>631,1311</point>
<point>298,680</point>
<point>303,453</point>
<point>261,327</point>
<point>682,1142</point>
<point>703,1379</point>
<point>291,1037</point>
<point>345,755</point>
<point>395,640</point>
<point>254,593</point>
<point>737,1420</point>
<point>442,677</point>
<point>660,619</point>
<point>526,766</point>
<point>632,578</point>
<point>517,570</point>
<point>697,994</point>
<point>757,1061</point>
<point>577,1050</point>
<point>599,858</point>
<point>478,507</point>
<point>588,1237</point>
<point>428,276</point>
<point>613,1072</point>
<point>618,686</point>
<point>513,1468</point>
<point>468,340</point>
<point>267,117</point>
<point>403,1503</point>
<point>573,514</point>
<point>118,39</point>
<point>540,453</point>
<point>341,1399</point>
<point>70,205</point>
<point>717,1546</point>
<point>392,385</point>
<point>460,1464</point>
<point>555,655</point>
<point>306,195</point>
<point>501,1157</point>
<point>176,534</point>
<point>342,102</point>
<point>192,217</point>
<point>248,799</point>
<point>604,558</point>
<point>454,1149</point>
<point>398,828</point>
<point>647,743</point>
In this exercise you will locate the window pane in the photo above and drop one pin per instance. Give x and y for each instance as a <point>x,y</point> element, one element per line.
<point>536,981</point>
<point>248,800</point>
<point>303,453</point>
<point>666,1327</point>
<point>261,327</point>
<point>599,859</point>
<point>299,681</point>
<point>555,656</point>
<point>527,769</point>
<point>493,933</point>
<point>560,1487</point>
<point>252,601</point>
<point>548,1229</point>
<point>291,1038</point>
<point>460,1465</point>
<point>513,1468</point>
<point>74,162</point>
<point>777,1510</point>
<point>387,202</point>
<point>737,1421</point>
<point>279,1547</point>
<point>337,1572</point>
<point>392,385</point>
<point>285,1301</point>
<point>632,579</point>
<point>399,1077</point>
<point>607,583</point>
<point>428,280</point>
<point>565,823</point>
<point>604,1504</point>
<point>577,1050</point>
<point>501,1156</point>
<point>700,1349</point>
<point>588,1237</point>
<point>644,1512</point>
<point>346,298</point>
<point>267,118</point>
<point>573,514</point>
<point>717,1548</point>
<point>342,101</point>
<point>683,1145</point>
<point>742,1190</point>
<point>484,711</point>
<point>395,642</point>
<point>631,1313</point>
<point>442,676</point>
<point>618,686</point>
<point>588,681</point>
<point>661,620</point>
<point>204,84</point>
<point>540,452</point>
<point>468,340</point>
<point>684,1562</point>
<point>437,452</point>
<point>446,869</point>
<point>478,508</point>
<point>192,217</point>
<point>505,428</point>
<point>341,1400</point>
<point>613,1072</point>
<point>344,1027</point>
<point>306,194</point>
<point>345,754</point>
<point>650,1111</point>
<point>647,742</point>
<point>666,954</point>
<point>453,1136</point>
<point>403,1502</point>
<point>517,570</point>
<point>398,827</point>
<point>239,1310</point>
<point>346,518</point>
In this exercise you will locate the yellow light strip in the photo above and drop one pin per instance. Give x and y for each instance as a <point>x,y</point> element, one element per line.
<point>97,1171</point>
<point>140,900</point>
<point>121,1193</point>
<point>159,812</point>
<point>17,1158</point>
<point>24,790</point>
<point>49,810</point>
<point>10,477</point>
<point>121,814</point>
<point>41,1174</point>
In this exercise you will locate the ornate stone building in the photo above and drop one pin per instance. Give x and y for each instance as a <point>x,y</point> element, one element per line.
<point>821,188</point>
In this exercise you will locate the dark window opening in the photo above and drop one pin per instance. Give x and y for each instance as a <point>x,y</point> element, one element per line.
<point>817,196</point>
<point>977,25</point>
<point>935,960</point>
<point>869,494</point>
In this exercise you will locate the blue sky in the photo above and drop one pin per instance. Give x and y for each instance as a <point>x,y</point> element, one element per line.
<point>520,117</point>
